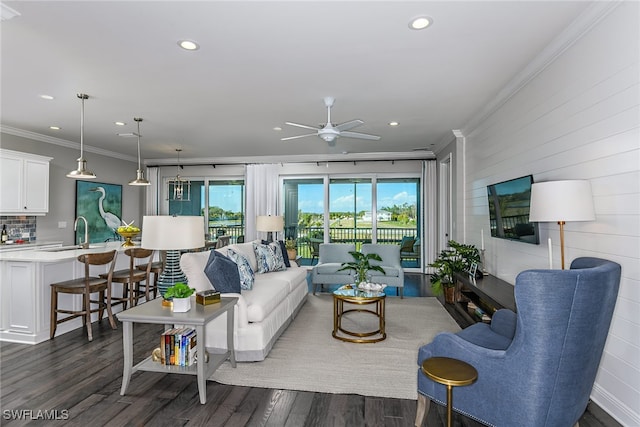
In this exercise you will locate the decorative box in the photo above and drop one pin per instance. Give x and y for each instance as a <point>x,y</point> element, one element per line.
<point>207,297</point>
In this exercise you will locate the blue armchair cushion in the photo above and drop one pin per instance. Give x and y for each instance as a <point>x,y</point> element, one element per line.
<point>222,273</point>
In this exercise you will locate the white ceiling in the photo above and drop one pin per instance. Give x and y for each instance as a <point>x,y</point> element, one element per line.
<point>261,64</point>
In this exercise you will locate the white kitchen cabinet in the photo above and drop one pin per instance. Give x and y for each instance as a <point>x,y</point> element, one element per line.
<point>24,179</point>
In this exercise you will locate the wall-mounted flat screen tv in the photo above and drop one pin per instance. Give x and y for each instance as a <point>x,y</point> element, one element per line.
<point>509,204</point>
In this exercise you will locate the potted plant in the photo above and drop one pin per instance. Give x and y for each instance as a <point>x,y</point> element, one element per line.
<point>180,293</point>
<point>457,257</point>
<point>361,265</point>
<point>291,246</point>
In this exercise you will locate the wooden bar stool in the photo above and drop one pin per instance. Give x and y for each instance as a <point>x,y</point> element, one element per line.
<point>450,372</point>
<point>131,277</point>
<point>85,286</point>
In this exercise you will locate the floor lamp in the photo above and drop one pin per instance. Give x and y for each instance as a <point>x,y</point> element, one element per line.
<point>561,201</point>
<point>172,234</point>
<point>269,224</point>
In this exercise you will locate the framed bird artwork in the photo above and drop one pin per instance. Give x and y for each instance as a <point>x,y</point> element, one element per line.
<point>101,205</point>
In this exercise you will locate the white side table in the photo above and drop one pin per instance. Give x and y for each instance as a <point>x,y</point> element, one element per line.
<point>197,317</point>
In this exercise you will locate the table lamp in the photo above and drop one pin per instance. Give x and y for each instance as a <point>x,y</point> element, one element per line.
<point>561,201</point>
<point>172,234</point>
<point>269,224</point>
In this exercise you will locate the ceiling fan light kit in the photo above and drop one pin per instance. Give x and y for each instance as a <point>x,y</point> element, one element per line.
<point>330,132</point>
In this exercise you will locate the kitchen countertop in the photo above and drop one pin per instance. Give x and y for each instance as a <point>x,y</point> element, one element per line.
<point>27,245</point>
<point>55,254</point>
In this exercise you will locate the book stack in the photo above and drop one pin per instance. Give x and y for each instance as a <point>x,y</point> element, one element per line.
<point>178,347</point>
<point>476,311</point>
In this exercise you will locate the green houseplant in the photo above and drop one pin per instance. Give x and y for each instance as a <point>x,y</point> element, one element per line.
<point>180,293</point>
<point>456,258</point>
<point>361,265</point>
<point>291,246</point>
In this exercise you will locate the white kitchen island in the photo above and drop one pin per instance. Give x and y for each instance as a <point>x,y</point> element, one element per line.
<point>25,294</point>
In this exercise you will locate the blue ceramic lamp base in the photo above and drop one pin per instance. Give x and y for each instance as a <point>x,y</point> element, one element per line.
<point>172,272</point>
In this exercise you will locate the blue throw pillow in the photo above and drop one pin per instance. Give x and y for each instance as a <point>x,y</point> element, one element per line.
<point>222,273</point>
<point>283,250</point>
<point>244,269</point>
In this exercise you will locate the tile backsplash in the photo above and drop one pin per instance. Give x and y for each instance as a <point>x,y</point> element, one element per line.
<point>18,225</point>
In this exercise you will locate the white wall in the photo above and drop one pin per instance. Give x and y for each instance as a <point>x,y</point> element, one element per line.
<point>62,190</point>
<point>579,118</point>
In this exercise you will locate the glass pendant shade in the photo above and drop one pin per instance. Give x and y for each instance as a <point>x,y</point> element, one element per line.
<point>139,181</point>
<point>81,172</point>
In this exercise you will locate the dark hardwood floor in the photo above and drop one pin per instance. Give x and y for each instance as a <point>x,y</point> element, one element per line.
<point>72,382</point>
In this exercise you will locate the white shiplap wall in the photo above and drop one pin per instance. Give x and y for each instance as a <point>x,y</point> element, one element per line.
<point>578,118</point>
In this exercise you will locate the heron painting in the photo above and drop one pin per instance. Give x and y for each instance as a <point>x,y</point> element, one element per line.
<point>101,205</point>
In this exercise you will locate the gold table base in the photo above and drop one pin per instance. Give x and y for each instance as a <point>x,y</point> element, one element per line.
<point>360,299</point>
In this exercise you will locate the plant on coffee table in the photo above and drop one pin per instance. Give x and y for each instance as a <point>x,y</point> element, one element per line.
<point>361,265</point>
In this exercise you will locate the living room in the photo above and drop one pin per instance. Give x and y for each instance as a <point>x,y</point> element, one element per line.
<point>571,113</point>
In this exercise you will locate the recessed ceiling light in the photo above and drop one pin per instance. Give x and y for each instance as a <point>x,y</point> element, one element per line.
<point>393,123</point>
<point>119,123</point>
<point>420,22</point>
<point>188,45</point>
<point>47,97</point>
<point>277,128</point>
<point>54,127</point>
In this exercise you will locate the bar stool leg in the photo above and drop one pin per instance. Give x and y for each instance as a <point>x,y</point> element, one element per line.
<point>54,313</point>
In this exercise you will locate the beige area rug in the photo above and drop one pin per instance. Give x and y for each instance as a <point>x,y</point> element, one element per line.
<point>307,358</point>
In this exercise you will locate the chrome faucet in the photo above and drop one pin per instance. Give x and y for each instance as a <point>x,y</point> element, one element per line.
<point>85,244</point>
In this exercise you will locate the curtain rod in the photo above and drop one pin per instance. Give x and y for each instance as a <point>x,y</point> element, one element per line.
<point>318,163</point>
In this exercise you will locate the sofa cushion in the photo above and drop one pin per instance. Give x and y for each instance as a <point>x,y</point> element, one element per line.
<point>244,269</point>
<point>269,257</point>
<point>332,268</point>
<point>222,273</point>
<point>283,249</point>
<point>246,250</point>
<point>265,296</point>
<point>293,276</point>
<point>192,265</point>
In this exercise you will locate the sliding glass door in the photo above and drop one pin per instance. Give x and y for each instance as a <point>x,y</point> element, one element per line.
<point>350,206</point>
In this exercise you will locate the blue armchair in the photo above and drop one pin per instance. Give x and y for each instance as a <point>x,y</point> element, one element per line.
<point>537,367</point>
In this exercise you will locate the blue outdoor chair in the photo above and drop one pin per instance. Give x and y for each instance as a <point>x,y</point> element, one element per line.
<point>537,367</point>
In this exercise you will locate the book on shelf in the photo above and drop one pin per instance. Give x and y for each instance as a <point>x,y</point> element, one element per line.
<point>178,346</point>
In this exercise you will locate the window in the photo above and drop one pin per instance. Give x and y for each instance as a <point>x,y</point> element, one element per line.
<point>226,208</point>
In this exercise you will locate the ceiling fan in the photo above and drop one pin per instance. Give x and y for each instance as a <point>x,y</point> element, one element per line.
<point>330,132</point>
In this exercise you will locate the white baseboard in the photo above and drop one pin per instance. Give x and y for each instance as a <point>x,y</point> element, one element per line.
<point>620,412</point>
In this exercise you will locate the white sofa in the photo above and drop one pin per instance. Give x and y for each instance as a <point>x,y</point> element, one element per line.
<point>261,314</point>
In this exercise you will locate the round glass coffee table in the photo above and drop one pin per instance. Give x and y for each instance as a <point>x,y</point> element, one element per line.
<point>360,299</point>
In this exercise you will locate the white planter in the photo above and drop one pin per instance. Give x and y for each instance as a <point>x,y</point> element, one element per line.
<point>181,305</point>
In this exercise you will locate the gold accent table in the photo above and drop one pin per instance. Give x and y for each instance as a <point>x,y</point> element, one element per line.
<point>450,372</point>
<point>359,298</point>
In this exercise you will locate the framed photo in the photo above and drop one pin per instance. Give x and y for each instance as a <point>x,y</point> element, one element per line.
<point>101,205</point>
<point>473,270</point>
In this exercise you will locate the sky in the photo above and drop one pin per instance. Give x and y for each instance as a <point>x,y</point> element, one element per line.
<point>311,198</point>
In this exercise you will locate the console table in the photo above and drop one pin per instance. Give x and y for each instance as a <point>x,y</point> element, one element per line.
<point>489,293</point>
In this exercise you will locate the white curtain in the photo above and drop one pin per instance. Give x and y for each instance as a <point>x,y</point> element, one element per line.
<point>430,218</point>
<point>261,183</point>
<point>153,191</point>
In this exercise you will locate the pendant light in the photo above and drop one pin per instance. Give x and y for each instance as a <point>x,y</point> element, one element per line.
<point>82,172</point>
<point>179,189</point>
<point>139,181</point>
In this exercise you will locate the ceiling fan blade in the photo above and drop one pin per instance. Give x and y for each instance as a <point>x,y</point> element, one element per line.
<point>348,125</point>
<point>302,126</point>
<point>359,135</point>
<point>296,137</point>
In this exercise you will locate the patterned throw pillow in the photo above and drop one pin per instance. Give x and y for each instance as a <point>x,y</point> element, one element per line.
<point>244,269</point>
<point>223,273</point>
<point>269,257</point>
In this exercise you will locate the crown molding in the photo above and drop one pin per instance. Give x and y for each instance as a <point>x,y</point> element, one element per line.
<point>64,143</point>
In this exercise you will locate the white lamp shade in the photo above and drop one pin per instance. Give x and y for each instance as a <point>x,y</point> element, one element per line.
<point>269,223</point>
<point>568,200</point>
<point>165,232</point>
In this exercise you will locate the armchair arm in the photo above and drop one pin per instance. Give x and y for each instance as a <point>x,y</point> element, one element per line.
<point>504,322</point>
